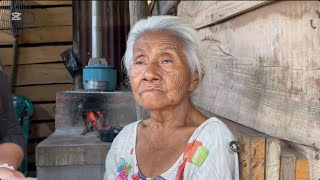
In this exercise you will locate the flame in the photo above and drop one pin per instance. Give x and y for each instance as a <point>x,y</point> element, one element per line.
<point>92,118</point>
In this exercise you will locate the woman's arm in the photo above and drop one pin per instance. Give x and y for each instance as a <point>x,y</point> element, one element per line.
<point>12,155</point>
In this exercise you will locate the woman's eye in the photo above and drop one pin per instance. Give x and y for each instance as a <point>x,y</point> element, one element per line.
<point>139,62</point>
<point>166,61</point>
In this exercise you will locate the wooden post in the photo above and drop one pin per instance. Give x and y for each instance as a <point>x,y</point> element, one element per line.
<point>273,151</point>
<point>288,165</point>
<point>138,10</point>
<point>252,159</point>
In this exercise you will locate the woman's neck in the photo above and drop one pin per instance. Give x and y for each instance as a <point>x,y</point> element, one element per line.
<point>183,114</point>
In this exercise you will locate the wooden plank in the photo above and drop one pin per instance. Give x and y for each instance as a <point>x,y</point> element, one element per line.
<point>302,166</point>
<point>32,55</point>
<point>209,13</point>
<point>42,92</point>
<point>44,17</point>
<point>288,165</point>
<point>40,35</point>
<point>165,7</point>
<point>33,74</point>
<point>41,130</point>
<point>253,79</point>
<point>46,3</point>
<point>257,167</point>
<point>138,10</point>
<point>244,157</point>
<point>273,151</point>
<point>252,158</point>
<point>302,169</point>
<point>43,111</point>
<point>59,16</point>
<point>312,154</point>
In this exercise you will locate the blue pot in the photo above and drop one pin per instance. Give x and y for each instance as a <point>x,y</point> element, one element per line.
<point>100,72</point>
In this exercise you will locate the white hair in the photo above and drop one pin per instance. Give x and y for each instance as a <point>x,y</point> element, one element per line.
<point>179,28</point>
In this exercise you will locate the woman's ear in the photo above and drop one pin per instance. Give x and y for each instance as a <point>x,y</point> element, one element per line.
<point>195,82</point>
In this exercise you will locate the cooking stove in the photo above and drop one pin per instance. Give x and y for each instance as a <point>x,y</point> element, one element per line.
<point>69,153</point>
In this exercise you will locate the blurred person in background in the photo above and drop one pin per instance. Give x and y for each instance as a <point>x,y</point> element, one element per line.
<point>11,135</point>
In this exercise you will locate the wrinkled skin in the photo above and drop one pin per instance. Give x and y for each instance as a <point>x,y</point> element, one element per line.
<point>161,82</point>
<point>160,75</point>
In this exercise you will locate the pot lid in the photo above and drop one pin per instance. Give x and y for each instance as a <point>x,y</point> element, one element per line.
<point>97,63</point>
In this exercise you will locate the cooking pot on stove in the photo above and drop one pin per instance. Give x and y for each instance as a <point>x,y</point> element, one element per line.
<point>96,85</point>
<point>99,77</point>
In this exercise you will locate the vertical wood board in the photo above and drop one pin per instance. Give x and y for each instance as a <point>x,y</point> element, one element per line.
<point>273,151</point>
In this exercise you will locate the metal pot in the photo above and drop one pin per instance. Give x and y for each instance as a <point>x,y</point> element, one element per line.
<point>96,85</point>
<point>99,72</point>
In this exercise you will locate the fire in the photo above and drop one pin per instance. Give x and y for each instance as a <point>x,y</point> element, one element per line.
<point>94,120</point>
<point>92,117</point>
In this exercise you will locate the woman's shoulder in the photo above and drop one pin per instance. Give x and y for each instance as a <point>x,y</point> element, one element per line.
<point>214,130</point>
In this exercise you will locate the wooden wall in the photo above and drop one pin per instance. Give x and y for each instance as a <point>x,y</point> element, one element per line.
<point>262,62</point>
<point>40,71</point>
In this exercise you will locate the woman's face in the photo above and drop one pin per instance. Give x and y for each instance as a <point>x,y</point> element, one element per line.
<point>160,76</point>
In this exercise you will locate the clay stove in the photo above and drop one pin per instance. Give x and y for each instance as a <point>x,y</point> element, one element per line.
<point>69,153</point>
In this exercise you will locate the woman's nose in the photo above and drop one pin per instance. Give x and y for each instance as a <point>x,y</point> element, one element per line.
<point>151,72</point>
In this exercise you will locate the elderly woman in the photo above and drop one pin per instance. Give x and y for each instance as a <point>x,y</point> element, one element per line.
<point>163,62</point>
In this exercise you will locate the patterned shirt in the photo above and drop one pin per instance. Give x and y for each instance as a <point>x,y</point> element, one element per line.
<point>207,156</point>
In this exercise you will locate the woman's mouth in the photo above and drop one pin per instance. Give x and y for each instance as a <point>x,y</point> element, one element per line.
<point>150,91</point>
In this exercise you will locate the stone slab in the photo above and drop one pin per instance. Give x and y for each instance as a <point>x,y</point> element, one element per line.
<point>70,148</point>
<point>74,172</point>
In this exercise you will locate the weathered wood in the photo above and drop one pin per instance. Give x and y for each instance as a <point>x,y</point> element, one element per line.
<point>40,35</point>
<point>273,151</point>
<point>252,158</point>
<point>32,55</point>
<point>244,158</point>
<point>42,92</point>
<point>41,3</point>
<point>59,16</point>
<point>288,165</point>
<point>262,73</point>
<point>165,7</point>
<point>257,166</point>
<point>310,154</point>
<point>43,112</point>
<point>137,10</point>
<point>40,74</point>
<point>41,130</point>
<point>44,17</point>
<point>206,13</point>
<point>302,167</point>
